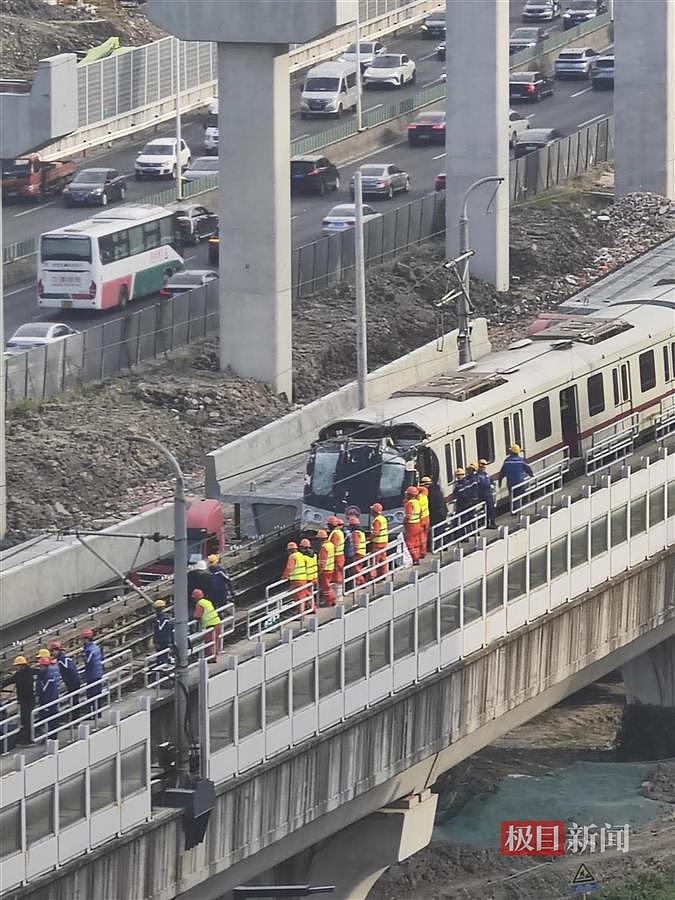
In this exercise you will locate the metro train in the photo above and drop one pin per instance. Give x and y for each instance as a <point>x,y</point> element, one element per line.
<point>580,372</point>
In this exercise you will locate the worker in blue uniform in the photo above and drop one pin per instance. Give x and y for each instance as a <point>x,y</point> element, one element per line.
<point>47,689</point>
<point>93,667</point>
<point>484,487</point>
<point>162,633</point>
<point>515,469</point>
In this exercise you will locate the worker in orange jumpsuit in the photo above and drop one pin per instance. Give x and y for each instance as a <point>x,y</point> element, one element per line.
<point>412,529</point>
<point>326,569</point>
<point>337,538</point>
<point>423,497</point>
<point>359,541</point>
<point>378,540</point>
<point>295,574</point>
<point>311,569</point>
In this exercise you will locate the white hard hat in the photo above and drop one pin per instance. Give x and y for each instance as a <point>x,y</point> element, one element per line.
<point>202,566</point>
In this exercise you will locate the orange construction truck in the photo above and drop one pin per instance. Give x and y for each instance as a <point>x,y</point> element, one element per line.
<point>32,178</point>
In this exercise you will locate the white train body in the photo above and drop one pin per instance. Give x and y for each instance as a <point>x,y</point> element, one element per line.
<point>578,376</point>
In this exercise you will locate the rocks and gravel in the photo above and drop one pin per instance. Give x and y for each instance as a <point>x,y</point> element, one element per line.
<point>31,30</point>
<point>68,460</point>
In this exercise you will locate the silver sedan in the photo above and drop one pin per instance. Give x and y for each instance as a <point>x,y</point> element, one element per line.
<point>382,180</point>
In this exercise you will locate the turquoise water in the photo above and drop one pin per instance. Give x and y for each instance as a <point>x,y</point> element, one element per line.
<point>585,793</point>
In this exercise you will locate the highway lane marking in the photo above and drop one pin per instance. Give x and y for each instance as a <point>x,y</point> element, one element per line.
<point>440,156</point>
<point>428,56</point>
<point>531,116</point>
<point>583,91</point>
<point>594,119</point>
<point>435,81</point>
<point>348,162</point>
<point>27,212</point>
<point>26,287</point>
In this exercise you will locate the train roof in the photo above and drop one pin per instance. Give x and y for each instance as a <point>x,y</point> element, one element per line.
<point>562,351</point>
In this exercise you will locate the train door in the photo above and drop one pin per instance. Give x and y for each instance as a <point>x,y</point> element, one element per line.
<point>427,463</point>
<point>621,387</point>
<point>513,430</point>
<point>455,458</point>
<point>569,419</point>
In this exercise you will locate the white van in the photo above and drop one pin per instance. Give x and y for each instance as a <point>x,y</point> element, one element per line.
<point>329,89</point>
<point>211,128</point>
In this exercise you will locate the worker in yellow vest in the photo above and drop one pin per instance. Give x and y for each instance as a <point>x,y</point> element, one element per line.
<point>296,574</point>
<point>423,497</point>
<point>359,542</point>
<point>209,620</point>
<point>337,538</point>
<point>412,529</point>
<point>312,569</point>
<point>326,569</point>
<point>378,539</point>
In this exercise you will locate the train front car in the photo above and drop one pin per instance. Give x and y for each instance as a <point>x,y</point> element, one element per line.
<point>353,464</point>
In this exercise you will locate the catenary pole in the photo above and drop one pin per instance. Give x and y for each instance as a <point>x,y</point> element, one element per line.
<point>360,282</point>
<point>179,124</point>
<point>359,81</point>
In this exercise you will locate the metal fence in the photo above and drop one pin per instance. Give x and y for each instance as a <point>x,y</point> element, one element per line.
<point>112,347</point>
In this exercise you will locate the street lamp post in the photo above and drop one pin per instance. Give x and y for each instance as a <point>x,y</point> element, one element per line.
<point>360,290</point>
<point>359,85</point>
<point>179,125</point>
<point>464,301</point>
<point>180,601</point>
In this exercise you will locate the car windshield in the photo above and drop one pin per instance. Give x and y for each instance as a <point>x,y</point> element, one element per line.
<point>184,281</point>
<point>322,84</point>
<point>32,330</point>
<point>343,211</point>
<point>158,149</point>
<point>386,62</point>
<point>206,164</point>
<point>302,166</point>
<point>363,48</point>
<point>14,168</point>
<point>373,170</point>
<point>212,120</point>
<point>605,64</point>
<point>66,248</point>
<point>522,77</point>
<point>89,177</point>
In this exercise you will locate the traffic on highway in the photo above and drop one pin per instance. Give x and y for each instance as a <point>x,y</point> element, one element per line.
<point>134,170</point>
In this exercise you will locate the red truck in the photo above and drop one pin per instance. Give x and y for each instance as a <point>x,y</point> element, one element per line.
<point>32,178</point>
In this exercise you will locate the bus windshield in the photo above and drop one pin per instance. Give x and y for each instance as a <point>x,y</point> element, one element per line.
<point>65,248</point>
<point>212,120</point>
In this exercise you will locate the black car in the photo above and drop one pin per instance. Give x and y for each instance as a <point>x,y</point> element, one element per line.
<point>527,38</point>
<point>427,128</point>
<point>440,52</point>
<point>530,86</point>
<point>580,11</point>
<point>214,249</point>
<point>434,25</point>
<point>535,139</point>
<point>313,175</point>
<point>194,222</point>
<point>95,187</point>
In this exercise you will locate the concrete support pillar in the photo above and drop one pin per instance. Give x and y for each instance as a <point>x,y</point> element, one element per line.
<point>255,211</point>
<point>648,726</point>
<point>354,858</point>
<point>644,97</point>
<point>477,143</point>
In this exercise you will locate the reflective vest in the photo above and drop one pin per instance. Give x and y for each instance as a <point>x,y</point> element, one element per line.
<point>359,539</point>
<point>209,617</point>
<point>337,539</point>
<point>327,557</point>
<point>411,511</point>
<point>423,500</point>
<point>311,566</point>
<point>296,566</point>
<point>379,534</point>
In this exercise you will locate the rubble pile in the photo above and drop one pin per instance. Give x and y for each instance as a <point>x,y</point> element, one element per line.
<point>68,459</point>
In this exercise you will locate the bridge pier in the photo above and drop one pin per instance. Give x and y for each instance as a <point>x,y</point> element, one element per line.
<point>648,726</point>
<point>354,858</point>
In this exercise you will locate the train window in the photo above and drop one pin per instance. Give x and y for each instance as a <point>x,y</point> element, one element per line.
<point>459,453</point>
<point>647,371</point>
<point>485,442</point>
<point>448,462</point>
<point>518,429</point>
<point>666,363</point>
<point>625,382</point>
<point>596,394</point>
<point>507,433</point>
<point>615,385</point>
<point>541,410</point>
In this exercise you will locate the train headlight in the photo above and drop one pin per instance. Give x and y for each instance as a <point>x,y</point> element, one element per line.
<point>317,517</point>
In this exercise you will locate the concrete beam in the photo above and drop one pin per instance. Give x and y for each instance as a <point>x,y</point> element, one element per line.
<point>644,97</point>
<point>648,724</point>
<point>477,143</point>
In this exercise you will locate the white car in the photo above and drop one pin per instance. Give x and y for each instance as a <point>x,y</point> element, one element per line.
<point>392,69</point>
<point>517,125</point>
<point>343,217</point>
<point>368,50</point>
<point>160,159</point>
<point>36,334</point>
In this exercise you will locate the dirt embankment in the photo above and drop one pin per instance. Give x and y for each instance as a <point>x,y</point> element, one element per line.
<point>31,30</point>
<point>69,463</point>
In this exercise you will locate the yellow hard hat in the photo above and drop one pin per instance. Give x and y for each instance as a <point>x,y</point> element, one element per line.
<point>43,653</point>
<point>214,559</point>
<point>459,471</point>
<point>159,604</point>
<point>514,448</point>
<point>473,466</point>
<point>21,661</point>
<point>425,480</point>
<point>482,462</point>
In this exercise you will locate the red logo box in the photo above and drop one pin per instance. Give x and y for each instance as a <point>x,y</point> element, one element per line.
<point>532,838</point>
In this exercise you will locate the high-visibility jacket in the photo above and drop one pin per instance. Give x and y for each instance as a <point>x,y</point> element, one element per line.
<point>379,531</point>
<point>327,557</point>
<point>209,617</point>
<point>337,539</point>
<point>411,511</point>
<point>423,500</point>
<point>359,539</point>
<point>311,565</point>
<point>295,567</point>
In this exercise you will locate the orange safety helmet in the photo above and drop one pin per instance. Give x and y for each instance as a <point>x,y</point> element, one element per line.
<point>197,594</point>
<point>322,533</point>
<point>306,544</point>
<point>291,545</point>
<point>86,633</point>
<point>354,520</point>
<point>332,520</point>
<point>377,508</point>
<point>412,491</point>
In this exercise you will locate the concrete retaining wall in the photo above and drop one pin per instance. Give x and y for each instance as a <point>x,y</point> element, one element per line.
<point>402,746</point>
<point>295,432</point>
